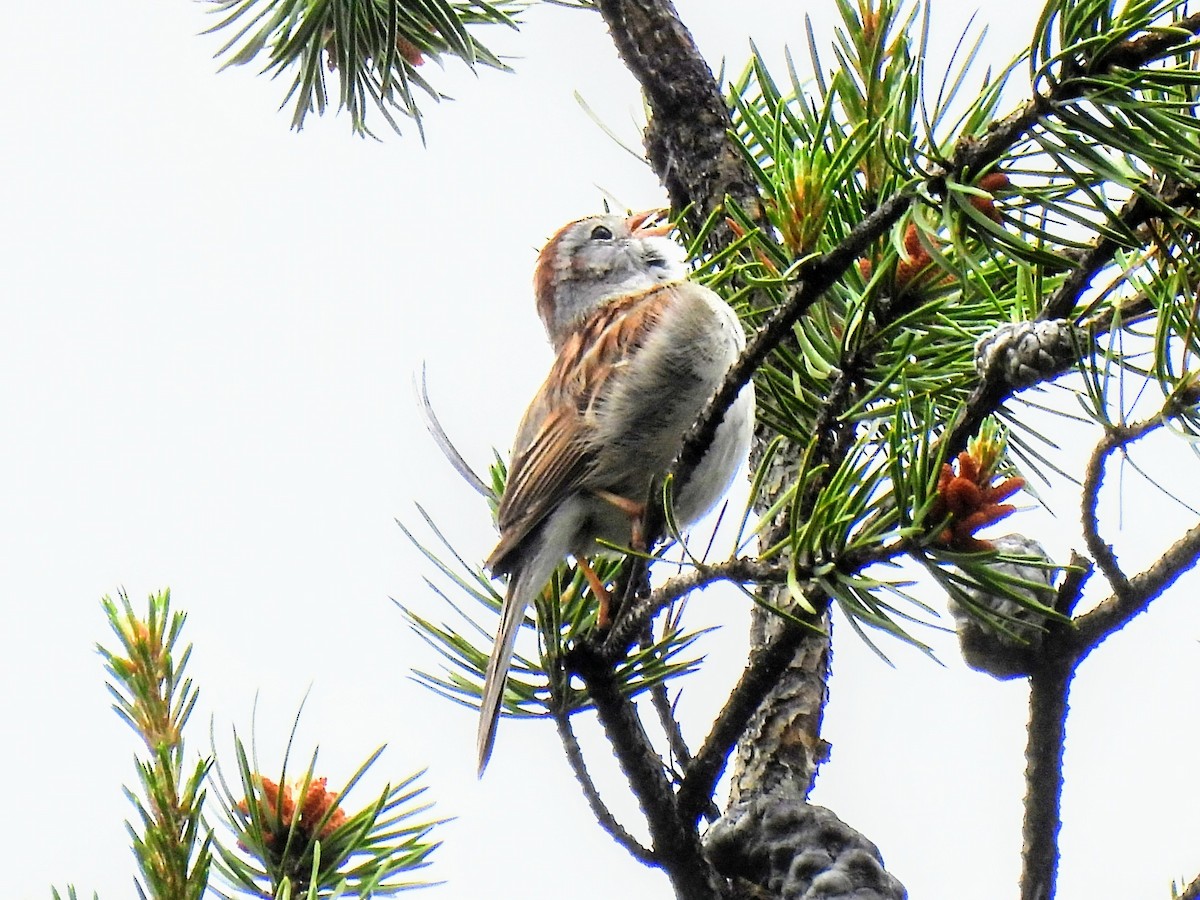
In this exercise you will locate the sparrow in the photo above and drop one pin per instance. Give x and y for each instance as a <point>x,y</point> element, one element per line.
<point>640,350</point>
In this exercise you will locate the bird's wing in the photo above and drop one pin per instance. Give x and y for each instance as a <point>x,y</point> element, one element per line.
<point>555,446</point>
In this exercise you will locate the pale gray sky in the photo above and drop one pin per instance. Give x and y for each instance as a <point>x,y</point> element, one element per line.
<point>209,328</point>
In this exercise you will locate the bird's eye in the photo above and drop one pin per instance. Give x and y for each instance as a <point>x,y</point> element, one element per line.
<point>600,233</point>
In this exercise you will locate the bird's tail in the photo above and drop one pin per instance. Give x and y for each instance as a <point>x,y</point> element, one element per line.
<point>523,585</point>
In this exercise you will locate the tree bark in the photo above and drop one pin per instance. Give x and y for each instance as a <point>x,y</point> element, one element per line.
<point>687,139</point>
<point>782,747</point>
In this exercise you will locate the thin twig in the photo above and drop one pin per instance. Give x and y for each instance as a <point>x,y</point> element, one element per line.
<point>604,816</point>
<point>661,703</point>
<point>1135,213</point>
<point>1078,571</point>
<point>1115,437</point>
<point>642,609</point>
<point>670,725</point>
<point>666,715</point>
<point>679,748</point>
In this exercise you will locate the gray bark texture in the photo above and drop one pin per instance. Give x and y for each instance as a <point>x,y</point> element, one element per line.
<point>782,747</point>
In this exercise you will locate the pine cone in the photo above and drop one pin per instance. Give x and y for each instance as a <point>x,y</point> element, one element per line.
<point>1024,353</point>
<point>1008,647</point>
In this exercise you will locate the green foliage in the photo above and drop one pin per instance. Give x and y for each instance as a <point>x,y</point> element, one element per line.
<point>151,694</point>
<point>294,839</point>
<point>824,158</point>
<point>897,332</point>
<point>564,614</point>
<point>376,47</point>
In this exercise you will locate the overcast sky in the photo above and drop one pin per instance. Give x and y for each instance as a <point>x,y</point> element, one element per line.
<point>209,329</point>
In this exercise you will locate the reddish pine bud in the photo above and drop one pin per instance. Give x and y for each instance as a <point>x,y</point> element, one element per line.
<point>912,242</point>
<point>993,181</point>
<point>410,51</point>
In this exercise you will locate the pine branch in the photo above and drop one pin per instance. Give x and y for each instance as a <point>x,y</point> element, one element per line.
<point>641,610</point>
<point>676,845</point>
<point>1118,610</point>
<point>1115,437</point>
<point>375,47</point>
<point>813,278</point>
<point>151,694</point>
<point>817,275</point>
<point>970,156</point>
<point>604,816</point>
<point>1049,686</point>
<point>687,139</point>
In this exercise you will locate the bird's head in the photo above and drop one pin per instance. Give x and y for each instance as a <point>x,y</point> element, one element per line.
<point>600,258</point>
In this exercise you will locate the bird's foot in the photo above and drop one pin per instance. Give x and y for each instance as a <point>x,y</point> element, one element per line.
<point>603,594</point>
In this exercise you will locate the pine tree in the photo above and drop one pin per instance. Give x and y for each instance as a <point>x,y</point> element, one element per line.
<point>924,267</point>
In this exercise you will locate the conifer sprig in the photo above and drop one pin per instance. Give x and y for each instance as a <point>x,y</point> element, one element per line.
<point>151,694</point>
<point>375,50</point>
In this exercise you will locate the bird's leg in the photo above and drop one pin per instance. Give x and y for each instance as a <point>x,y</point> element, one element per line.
<point>603,595</point>
<point>635,510</point>
<point>637,533</point>
<point>637,541</point>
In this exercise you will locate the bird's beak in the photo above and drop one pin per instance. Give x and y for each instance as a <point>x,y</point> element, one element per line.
<point>642,224</point>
